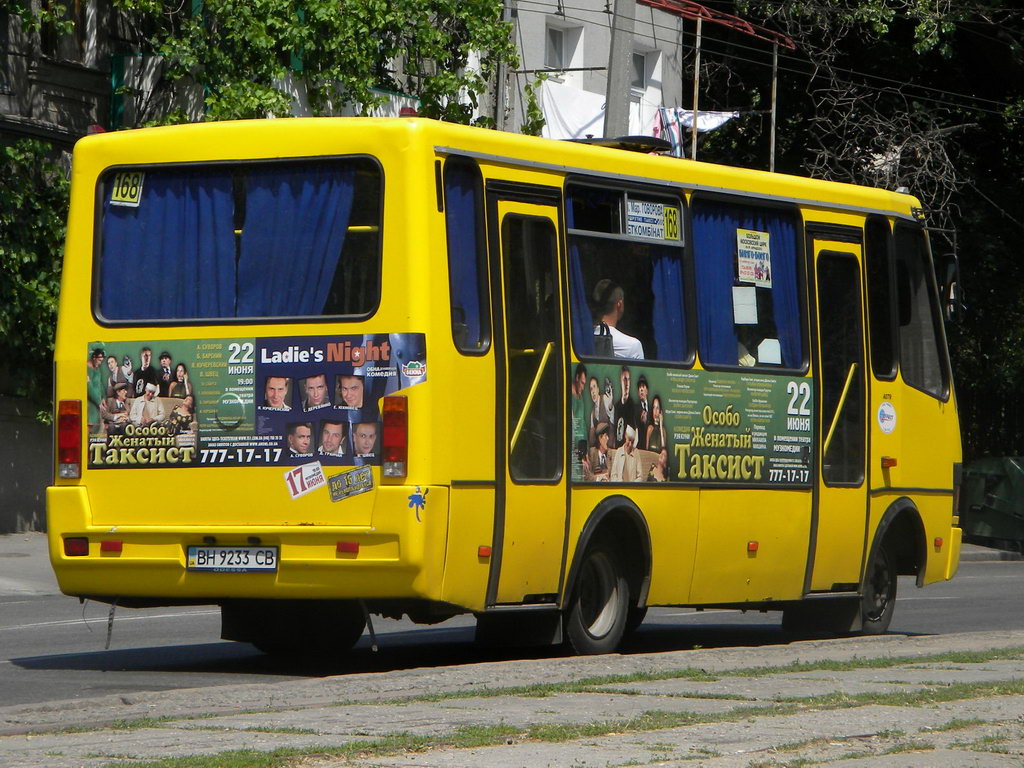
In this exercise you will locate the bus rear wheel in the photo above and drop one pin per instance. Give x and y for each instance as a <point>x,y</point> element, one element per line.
<point>599,607</point>
<point>295,628</point>
<point>879,597</point>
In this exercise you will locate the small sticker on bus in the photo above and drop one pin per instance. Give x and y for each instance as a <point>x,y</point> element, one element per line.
<point>304,479</point>
<point>887,418</point>
<point>127,189</point>
<point>350,483</point>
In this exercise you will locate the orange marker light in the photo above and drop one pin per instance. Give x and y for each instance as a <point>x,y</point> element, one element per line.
<point>888,461</point>
<point>483,551</point>
<point>752,546</point>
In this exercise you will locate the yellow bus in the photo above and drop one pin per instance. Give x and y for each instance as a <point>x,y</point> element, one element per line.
<point>353,366</point>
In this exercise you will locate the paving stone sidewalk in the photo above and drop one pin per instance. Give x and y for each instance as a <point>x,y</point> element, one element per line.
<point>952,700</point>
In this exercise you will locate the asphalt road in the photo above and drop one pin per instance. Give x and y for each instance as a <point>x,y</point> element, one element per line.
<point>52,648</point>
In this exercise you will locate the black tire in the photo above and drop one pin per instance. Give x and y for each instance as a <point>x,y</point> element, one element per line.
<point>635,618</point>
<point>599,608</point>
<point>879,596</point>
<point>302,629</point>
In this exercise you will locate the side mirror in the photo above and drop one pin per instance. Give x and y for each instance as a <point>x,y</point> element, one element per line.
<point>952,292</point>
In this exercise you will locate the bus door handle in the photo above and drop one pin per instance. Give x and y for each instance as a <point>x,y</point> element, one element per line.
<point>839,408</point>
<point>533,393</point>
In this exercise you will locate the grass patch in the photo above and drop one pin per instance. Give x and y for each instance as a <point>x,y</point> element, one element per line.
<point>909,746</point>
<point>959,724</point>
<point>482,736</point>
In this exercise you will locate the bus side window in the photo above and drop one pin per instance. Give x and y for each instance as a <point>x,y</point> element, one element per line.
<point>608,259</point>
<point>467,266</point>
<point>878,261</point>
<point>922,359</point>
<point>746,261</point>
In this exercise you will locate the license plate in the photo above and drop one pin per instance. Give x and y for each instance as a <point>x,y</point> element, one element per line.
<point>232,559</point>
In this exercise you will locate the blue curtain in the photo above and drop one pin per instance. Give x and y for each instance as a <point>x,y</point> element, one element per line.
<point>173,256</point>
<point>579,307</point>
<point>296,218</point>
<point>667,287</point>
<point>462,217</point>
<point>714,246</point>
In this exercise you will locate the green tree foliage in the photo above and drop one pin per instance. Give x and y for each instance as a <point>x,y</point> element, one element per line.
<point>249,56</point>
<point>33,208</point>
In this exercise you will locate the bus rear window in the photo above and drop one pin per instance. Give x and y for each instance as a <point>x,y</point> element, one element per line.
<point>259,241</point>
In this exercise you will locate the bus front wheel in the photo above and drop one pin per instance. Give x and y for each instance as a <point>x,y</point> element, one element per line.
<point>879,597</point>
<point>599,608</point>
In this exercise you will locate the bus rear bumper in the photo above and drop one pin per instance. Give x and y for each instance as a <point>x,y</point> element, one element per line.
<point>400,555</point>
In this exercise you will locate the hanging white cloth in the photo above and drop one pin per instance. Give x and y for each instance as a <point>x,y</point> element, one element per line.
<point>676,123</point>
<point>571,113</point>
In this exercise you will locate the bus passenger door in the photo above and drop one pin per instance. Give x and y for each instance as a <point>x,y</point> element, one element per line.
<point>531,508</point>
<point>839,519</point>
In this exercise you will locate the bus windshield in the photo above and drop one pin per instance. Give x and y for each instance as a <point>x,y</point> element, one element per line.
<point>253,240</point>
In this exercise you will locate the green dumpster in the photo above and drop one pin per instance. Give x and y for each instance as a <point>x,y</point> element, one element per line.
<point>992,502</point>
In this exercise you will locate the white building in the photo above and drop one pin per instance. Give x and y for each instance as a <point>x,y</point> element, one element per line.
<point>566,44</point>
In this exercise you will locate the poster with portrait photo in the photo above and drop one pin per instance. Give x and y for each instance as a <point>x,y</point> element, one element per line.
<point>231,401</point>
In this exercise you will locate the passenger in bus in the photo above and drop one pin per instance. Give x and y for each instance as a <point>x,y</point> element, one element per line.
<point>181,386</point>
<point>300,437</point>
<point>626,464</point>
<point>114,410</point>
<point>165,376</point>
<point>597,466</point>
<point>643,412</point>
<point>275,393</point>
<point>148,409</point>
<point>332,435</point>
<point>610,303</point>
<point>656,437</point>
<point>350,391</point>
<point>364,438</point>
<point>316,393</point>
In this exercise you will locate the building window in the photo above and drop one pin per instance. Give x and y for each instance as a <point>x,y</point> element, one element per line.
<point>554,56</point>
<point>639,72</point>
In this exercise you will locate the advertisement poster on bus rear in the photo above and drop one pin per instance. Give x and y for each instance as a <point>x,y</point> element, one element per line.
<point>633,424</point>
<point>245,401</point>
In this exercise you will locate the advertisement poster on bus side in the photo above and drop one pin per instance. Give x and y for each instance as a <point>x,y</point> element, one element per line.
<point>633,423</point>
<point>245,401</point>
<point>753,257</point>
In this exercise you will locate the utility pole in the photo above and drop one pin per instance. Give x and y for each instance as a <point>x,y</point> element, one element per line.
<point>502,75</point>
<point>775,85</point>
<point>616,111</point>
<point>696,91</point>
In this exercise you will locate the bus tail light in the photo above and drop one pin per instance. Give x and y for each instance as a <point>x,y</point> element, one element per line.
<point>76,546</point>
<point>395,437</point>
<point>69,439</point>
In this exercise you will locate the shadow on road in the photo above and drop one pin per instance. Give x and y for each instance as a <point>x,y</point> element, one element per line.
<point>417,648</point>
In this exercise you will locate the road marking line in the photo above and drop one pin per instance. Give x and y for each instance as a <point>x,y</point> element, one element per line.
<point>103,620</point>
